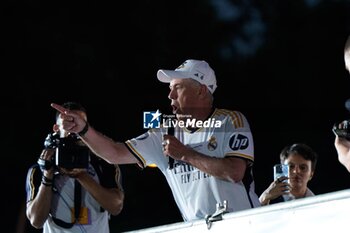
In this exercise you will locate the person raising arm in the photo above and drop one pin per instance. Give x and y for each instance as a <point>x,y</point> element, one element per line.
<point>206,156</point>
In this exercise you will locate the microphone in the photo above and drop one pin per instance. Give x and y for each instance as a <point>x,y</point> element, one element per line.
<point>171,160</point>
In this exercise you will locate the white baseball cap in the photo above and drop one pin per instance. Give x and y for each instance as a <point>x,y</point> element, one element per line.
<point>195,69</point>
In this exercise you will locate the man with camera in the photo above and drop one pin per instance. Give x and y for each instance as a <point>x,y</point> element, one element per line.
<point>70,189</point>
<point>342,130</point>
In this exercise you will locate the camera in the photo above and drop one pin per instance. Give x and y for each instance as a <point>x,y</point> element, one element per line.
<point>342,129</point>
<point>70,151</point>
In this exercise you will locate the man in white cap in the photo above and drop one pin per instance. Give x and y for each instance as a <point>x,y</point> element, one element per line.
<point>342,142</point>
<point>205,153</point>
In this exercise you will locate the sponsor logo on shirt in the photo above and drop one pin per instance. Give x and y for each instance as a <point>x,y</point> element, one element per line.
<point>239,142</point>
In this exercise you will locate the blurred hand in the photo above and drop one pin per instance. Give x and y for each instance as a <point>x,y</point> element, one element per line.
<point>276,189</point>
<point>174,148</point>
<point>73,173</point>
<point>46,162</point>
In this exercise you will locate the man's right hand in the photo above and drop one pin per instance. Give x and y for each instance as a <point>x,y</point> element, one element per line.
<point>46,162</point>
<point>71,121</point>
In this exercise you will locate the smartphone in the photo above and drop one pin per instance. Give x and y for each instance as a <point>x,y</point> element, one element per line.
<point>280,170</point>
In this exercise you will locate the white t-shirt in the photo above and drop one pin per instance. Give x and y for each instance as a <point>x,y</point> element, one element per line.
<point>63,201</point>
<point>195,192</point>
<point>92,217</point>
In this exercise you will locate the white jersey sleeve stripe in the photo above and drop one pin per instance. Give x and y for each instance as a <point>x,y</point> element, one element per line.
<point>32,187</point>
<point>240,116</point>
<point>240,155</point>
<point>236,117</point>
<point>136,153</point>
<point>236,120</point>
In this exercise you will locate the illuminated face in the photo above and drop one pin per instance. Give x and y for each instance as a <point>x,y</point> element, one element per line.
<point>300,172</point>
<point>183,95</point>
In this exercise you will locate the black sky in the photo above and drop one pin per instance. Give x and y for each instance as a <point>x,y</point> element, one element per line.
<point>278,62</point>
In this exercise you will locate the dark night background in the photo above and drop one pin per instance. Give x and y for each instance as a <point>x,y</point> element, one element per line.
<point>278,62</point>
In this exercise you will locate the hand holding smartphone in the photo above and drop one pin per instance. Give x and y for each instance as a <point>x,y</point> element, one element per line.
<point>280,170</point>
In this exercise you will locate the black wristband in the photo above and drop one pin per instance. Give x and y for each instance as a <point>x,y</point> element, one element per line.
<point>85,129</point>
<point>46,181</point>
<point>46,184</point>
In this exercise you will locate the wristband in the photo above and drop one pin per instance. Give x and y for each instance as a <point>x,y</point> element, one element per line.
<point>46,184</point>
<point>84,130</point>
<point>46,181</point>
